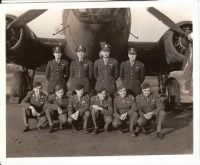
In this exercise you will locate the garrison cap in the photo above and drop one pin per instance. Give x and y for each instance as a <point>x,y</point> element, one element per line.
<point>80,48</point>
<point>106,47</point>
<point>57,49</point>
<point>102,43</point>
<point>146,86</point>
<point>79,86</point>
<point>121,87</point>
<point>37,84</point>
<point>58,88</point>
<point>132,51</point>
<point>100,90</point>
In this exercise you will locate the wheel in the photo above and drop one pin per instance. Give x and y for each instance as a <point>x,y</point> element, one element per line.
<point>19,85</point>
<point>172,92</point>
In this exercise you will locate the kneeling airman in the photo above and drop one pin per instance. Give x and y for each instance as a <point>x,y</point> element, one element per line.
<point>125,110</point>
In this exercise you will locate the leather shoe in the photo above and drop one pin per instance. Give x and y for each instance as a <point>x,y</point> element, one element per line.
<point>159,135</point>
<point>133,134</point>
<point>51,129</point>
<point>95,131</point>
<point>85,130</point>
<point>143,130</point>
<point>26,129</point>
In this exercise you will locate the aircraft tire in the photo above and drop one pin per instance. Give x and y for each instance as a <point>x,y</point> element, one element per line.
<point>18,87</point>
<point>172,93</point>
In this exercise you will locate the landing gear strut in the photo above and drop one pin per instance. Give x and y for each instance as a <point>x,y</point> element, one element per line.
<point>169,91</point>
<point>161,84</point>
<point>172,92</point>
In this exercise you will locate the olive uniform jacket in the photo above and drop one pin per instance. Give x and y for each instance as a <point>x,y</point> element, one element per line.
<point>81,105</point>
<point>123,105</point>
<point>132,76</point>
<point>54,102</point>
<point>152,103</point>
<point>81,73</point>
<point>37,103</point>
<point>106,104</point>
<point>56,73</point>
<point>106,75</point>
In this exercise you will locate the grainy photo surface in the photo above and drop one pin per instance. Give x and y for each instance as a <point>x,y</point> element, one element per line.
<point>99,81</point>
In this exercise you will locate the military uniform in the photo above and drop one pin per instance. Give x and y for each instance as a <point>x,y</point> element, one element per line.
<point>106,113</point>
<point>38,104</point>
<point>81,73</point>
<point>82,106</point>
<point>148,104</point>
<point>132,76</point>
<point>106,74</point>
<point>125,105</point>
<point>51,109</point>
<point>56,73</point>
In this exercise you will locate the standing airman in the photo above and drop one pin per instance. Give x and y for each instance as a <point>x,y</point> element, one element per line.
<point>57,71</point>
<point>132,73</point>
<point>106,71</point>
<point>81,70</point>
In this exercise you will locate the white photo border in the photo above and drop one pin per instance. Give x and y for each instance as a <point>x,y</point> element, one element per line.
<point>115,160</point>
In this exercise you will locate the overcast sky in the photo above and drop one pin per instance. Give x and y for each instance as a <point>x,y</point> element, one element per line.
<point>143,24</point>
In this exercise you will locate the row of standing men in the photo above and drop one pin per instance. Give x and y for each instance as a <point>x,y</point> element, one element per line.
<point>105,71</point>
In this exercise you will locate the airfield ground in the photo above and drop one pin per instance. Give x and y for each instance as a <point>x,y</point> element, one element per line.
<point>178,139</point>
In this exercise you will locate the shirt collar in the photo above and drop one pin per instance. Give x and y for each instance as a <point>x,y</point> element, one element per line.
<point>148,96</point>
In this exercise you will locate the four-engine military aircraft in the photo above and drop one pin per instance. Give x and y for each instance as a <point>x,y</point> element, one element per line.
<point>89,27</point>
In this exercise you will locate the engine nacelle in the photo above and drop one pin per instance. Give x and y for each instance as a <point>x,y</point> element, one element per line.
<point>18,41</point>
<point>175,45</point>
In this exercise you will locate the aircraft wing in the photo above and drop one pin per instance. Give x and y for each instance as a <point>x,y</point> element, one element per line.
<point>23,47</point>
<point>32,52</point>
<point>150,54</point>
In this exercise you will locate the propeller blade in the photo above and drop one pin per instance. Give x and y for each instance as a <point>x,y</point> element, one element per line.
<point>25,18</point>
<point>166,20</point>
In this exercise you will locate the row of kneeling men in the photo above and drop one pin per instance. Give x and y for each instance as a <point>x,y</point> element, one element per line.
<point>123,109</point>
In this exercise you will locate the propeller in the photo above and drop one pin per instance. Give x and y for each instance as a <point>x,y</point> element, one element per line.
<point>166,20</point>
<point>25,18</point>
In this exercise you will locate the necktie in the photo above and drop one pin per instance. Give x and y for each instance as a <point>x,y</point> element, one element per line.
<point>58,61</point>
<point>106,61</point>
<point>37,98</point>
<point>132,63</point>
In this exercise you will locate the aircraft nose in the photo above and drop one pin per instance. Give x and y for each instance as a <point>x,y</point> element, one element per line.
<point>97,16</point>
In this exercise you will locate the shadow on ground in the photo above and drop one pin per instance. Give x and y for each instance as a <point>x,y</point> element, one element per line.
<point>178,118</point>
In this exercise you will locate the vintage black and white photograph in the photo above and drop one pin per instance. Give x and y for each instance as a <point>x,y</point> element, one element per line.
<point>101,81</point>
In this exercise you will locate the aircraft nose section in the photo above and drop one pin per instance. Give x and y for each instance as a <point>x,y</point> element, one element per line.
<point>89,27</point>
<point>96,16</point>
